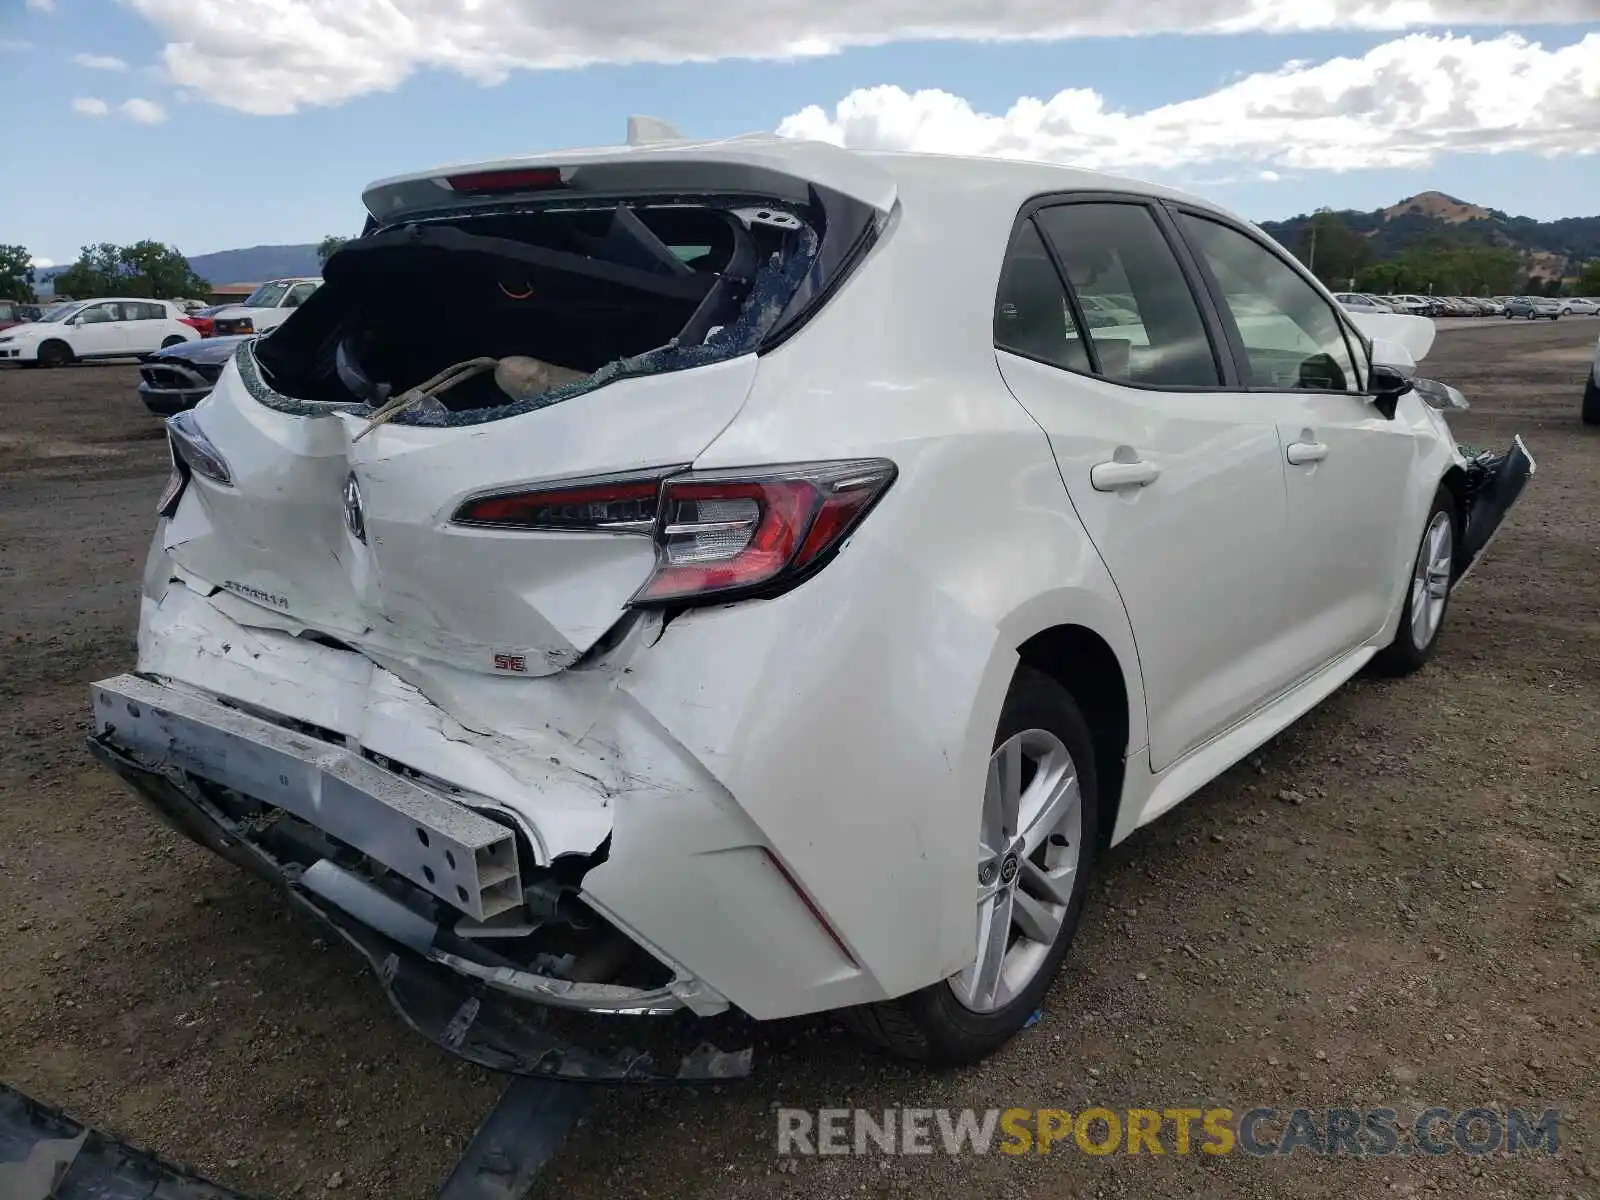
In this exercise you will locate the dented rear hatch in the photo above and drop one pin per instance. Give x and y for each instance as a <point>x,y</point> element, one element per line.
<point>356,539</point>
<point>352,516</point>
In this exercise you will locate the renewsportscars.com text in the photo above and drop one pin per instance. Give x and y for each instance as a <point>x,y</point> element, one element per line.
<point>1259,1132</point>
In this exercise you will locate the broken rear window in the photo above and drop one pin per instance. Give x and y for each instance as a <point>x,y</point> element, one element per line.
<point>470,317</point>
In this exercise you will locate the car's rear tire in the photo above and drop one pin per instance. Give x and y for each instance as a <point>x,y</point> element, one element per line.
<point>1036,846</point>
<point>1427,592</point>
<point>1591,401</point>
<point>54,353</point>
<point>174,340</point>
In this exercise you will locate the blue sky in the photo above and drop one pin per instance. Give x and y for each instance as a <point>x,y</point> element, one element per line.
<point>259,124</point>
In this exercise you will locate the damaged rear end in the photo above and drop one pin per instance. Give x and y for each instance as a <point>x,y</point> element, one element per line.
<point>412,538</point>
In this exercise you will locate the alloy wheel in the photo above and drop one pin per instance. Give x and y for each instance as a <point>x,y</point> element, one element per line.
<point>1430,581</point>
<point>1028,855</point>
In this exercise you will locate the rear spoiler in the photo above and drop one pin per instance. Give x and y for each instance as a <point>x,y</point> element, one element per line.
<point>762,166</point>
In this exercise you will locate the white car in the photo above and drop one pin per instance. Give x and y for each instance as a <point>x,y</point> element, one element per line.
<point>116,327</point>
<point>1360,302</point>
<point>762,589</point>
<point>1408,303</point>
<point>269,306</point>
<point>1577,305</point>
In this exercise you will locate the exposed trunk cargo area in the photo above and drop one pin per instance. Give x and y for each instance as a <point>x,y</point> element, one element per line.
<point>477,317</point>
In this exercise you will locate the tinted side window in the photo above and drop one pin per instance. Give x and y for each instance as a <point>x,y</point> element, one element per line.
<point>146,312</point>
<point>1144,325</point>
<point>1031,315</point>
<point>1292,336</point>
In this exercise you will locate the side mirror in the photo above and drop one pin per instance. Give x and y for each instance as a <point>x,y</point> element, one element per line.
<point>1387,385</point>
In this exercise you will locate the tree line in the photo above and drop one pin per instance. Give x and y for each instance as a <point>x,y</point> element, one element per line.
<point>146,269</point>
<point>1343,259</point>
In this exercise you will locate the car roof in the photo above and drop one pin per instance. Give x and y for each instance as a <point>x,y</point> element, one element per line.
<point>867,174</point>
<point>1013,181</point>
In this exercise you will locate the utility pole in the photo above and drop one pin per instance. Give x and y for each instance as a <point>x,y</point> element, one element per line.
<point>1311,254</point>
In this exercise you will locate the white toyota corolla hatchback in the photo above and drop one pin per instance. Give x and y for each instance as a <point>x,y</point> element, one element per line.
<point>690,577</point>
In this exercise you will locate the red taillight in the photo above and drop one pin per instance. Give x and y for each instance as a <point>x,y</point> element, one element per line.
<point>718,534</point>
<point>529,179</point>
<point>722,533</point>
<point>603,504</point>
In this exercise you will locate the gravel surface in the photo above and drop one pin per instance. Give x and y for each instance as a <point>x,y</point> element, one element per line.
<point>1397,901</point>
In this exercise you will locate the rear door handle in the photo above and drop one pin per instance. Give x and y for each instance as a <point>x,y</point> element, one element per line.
<point>1112,476</point>
<point>1307,452</point>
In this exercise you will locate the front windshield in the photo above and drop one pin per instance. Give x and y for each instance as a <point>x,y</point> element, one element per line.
<point>61,311</point>
<point>267,295</point>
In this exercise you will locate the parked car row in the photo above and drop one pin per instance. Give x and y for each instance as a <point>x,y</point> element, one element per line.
<point>1470,306</point>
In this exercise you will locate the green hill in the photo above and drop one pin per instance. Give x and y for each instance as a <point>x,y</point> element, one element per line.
<point>1433,221</point>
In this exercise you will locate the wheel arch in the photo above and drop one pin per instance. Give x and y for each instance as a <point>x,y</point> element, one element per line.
<point>70,354</point>
<point>1085,665</point>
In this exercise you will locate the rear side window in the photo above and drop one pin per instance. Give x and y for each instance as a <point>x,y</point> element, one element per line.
<point>1031,313</point>
<point>1291,335</point>
<point>1140,319</point>
<point>146,312</point>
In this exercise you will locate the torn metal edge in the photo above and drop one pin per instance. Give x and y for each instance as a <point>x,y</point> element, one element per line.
<point>470,1020</point>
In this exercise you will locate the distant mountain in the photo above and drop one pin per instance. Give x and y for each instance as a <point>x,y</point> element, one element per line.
<point>256,264</point>
<point>253,265</point>
<point>1552,249</point>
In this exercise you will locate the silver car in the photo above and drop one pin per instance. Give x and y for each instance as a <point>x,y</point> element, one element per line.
<point>1533,308</point>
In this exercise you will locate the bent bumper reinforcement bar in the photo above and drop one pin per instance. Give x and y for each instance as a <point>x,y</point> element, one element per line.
<point>518,1025</point>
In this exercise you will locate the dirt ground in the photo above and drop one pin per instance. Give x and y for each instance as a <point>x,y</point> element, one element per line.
<point>1424,928</point>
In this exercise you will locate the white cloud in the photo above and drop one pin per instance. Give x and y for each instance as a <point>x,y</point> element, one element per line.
<point>1399,105</point>
<point>14,46</point>
<point>280,57</point>
<point>41,263</point>
<point>146,112</point>
<point>90,107</point>
<point>100,62</point>
<point>42,5</point>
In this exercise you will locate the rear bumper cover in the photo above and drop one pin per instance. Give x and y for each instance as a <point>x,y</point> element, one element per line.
<point>499,1023</point>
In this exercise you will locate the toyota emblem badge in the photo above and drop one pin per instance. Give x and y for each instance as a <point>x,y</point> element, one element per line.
<point>354,517</point>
